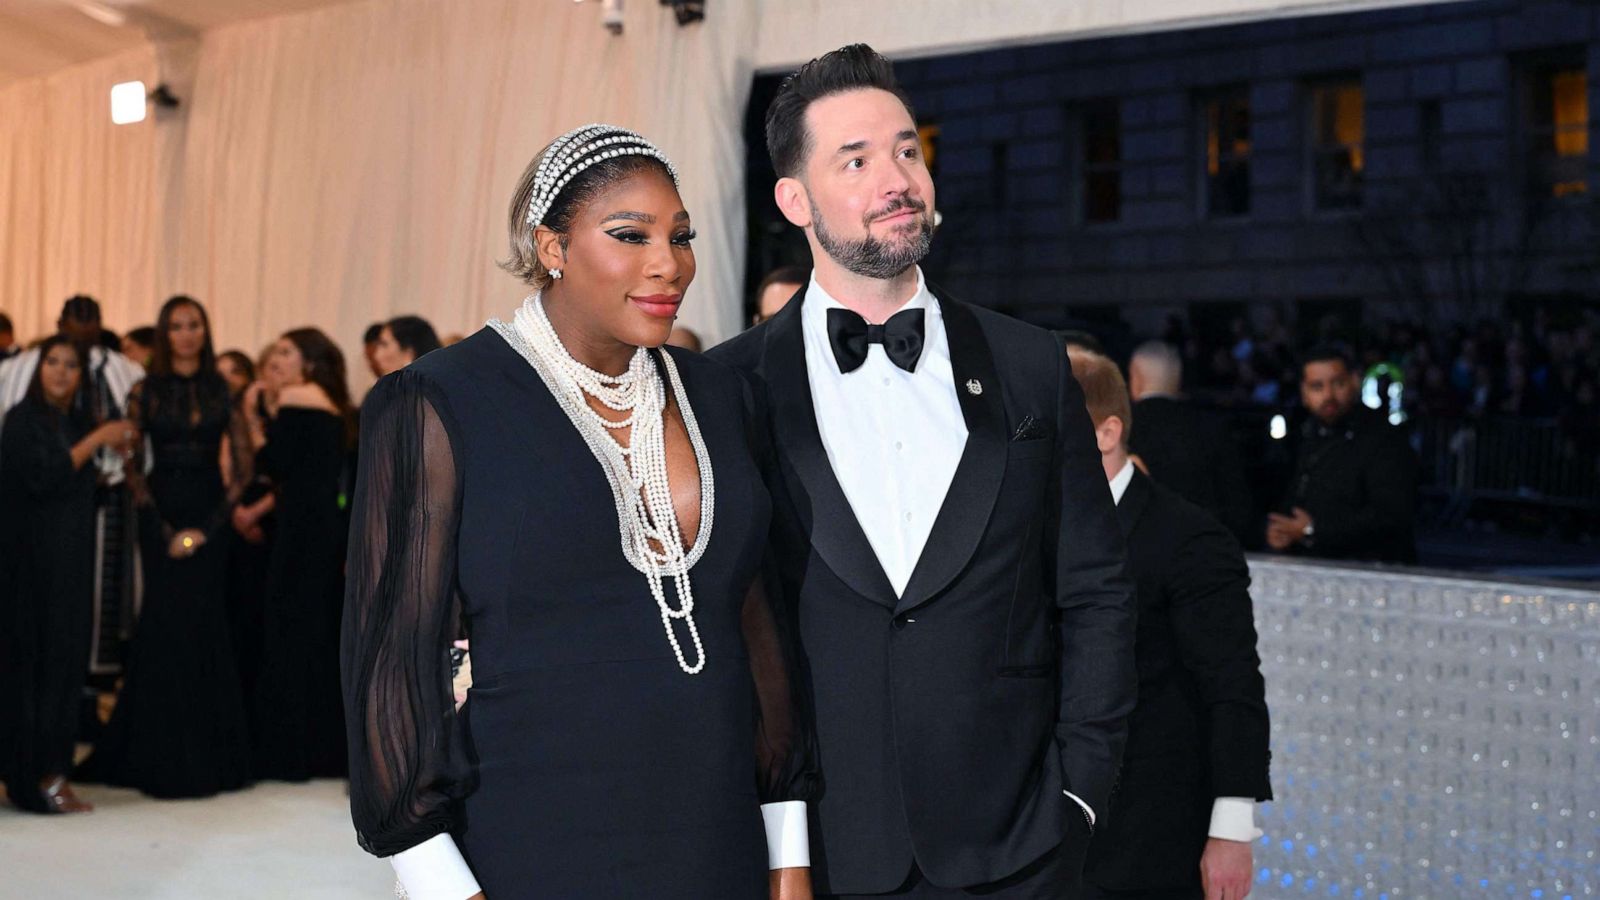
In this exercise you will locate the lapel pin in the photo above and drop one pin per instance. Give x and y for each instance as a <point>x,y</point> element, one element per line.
<point>974,387</point>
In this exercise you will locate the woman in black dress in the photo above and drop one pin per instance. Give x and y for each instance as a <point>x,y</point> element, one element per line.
<point>303,455</point>
<point>634,711</point>
<point>248,549</point>
<point>179,726</point>
<point>47,578</point>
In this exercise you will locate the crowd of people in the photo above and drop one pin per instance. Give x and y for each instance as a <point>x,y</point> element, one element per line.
<point>218,483</point>
<point>1546,366</point>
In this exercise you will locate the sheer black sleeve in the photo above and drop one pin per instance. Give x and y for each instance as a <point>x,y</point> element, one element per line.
<point>401,607</point>
<point>135,468</point>
<point>241,462</point>
<point>786,752</point>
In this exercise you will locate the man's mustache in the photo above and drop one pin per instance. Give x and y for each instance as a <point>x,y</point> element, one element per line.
<point>896,206</point>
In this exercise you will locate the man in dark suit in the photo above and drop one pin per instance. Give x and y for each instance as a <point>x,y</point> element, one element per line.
<point>942,532</point>
<point>1353,494</point>
<point>1182,821</point>
<point>1184,446</point>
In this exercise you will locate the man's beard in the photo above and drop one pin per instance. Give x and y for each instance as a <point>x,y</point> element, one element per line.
<point>870,257</point>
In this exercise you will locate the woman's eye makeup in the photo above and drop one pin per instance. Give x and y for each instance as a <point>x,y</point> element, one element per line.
<point>635,236</point>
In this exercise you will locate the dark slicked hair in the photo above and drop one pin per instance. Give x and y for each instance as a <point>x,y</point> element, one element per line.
<point>414,335</point>
<point>783,275</point>
<point>851,68</point>
<point>1327,353</point>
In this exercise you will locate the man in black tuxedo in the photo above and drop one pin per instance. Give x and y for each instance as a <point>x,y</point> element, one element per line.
<point>1181,824</point>
<point>1187,447</point>
<point>942,531</point>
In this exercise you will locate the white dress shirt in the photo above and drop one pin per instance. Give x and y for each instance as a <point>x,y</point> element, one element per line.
<point>1232,818</point>
<point>893,437</point>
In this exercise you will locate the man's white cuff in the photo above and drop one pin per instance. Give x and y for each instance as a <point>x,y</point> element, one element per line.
<point>435,870</point>
<point>788,836</point>
<point>1234,819</point>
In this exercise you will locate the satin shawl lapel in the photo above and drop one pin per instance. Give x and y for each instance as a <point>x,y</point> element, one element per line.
<point>964,517</point>
<point>829,520</point>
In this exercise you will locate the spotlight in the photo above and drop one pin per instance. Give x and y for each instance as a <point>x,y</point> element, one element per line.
<point>128,101</point>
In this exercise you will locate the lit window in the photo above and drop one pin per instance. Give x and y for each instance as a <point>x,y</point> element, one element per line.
<point>1338,128</point>
<point>1225,117</point>
<point>1558,128</point>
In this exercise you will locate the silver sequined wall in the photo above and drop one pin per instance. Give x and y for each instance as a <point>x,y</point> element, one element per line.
<point>1432,737</point>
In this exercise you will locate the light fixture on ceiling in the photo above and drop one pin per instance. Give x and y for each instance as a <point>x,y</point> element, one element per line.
<point>130,101</point>
<point>127,103</point>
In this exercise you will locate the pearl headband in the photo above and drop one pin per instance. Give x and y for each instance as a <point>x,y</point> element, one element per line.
<point>576,151</point>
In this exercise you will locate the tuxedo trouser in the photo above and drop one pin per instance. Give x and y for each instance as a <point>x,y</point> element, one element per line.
<point>1045,878</point>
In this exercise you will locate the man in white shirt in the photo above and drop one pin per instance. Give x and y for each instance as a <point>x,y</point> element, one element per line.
<point>942,531</point>
<point>1184,816</point>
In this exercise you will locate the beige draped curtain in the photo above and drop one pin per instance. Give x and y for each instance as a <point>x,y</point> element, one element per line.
<point>341,166</point>
<point>353,163</point>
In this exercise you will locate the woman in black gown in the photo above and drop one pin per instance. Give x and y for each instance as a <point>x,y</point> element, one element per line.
<point>248,549</point>
<point>299,716</point>
<point>46,578</point>
<point>587,760</point>
<point>179,726</point>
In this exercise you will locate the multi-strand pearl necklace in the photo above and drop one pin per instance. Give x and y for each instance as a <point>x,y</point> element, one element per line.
<point>652,541</point>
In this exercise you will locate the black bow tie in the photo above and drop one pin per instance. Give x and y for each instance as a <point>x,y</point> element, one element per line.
<point>850,336</point>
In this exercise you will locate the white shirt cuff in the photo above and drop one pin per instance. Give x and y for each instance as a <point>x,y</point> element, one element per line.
<point>434,870</point>
<point>1076,799</point>
<point>1234,819</point>
<point>788,835</point>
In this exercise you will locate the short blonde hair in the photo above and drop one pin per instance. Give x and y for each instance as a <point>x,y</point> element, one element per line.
<point>1105,392</point>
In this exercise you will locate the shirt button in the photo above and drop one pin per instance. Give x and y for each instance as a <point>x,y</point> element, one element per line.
<point>899,446</point>
<point>908,517</point>
<point>886,382</point>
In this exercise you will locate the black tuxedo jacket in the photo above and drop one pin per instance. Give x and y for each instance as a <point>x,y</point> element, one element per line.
<point>1188,448</point>
<point>951,718</point>
<point>1199,730</point>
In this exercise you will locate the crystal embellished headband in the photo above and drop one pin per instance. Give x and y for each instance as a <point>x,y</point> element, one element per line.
<point>579,149</point>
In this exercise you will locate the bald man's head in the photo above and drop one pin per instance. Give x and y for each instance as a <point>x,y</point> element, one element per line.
<point>1156,368</point>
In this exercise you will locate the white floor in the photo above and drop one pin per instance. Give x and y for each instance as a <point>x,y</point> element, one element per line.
<point>271,842</point>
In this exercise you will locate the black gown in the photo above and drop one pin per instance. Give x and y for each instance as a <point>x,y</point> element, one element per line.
<point>585,763</point>
<point>299,713</point>
<point>179,726</point>
<point>46,596</point>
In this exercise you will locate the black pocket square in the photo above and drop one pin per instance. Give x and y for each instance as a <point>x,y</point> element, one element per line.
<point>1030,429</point>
